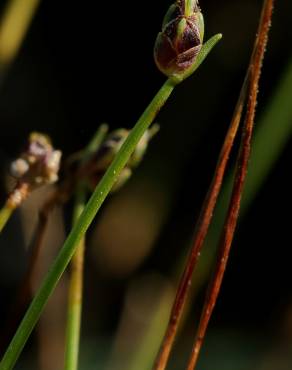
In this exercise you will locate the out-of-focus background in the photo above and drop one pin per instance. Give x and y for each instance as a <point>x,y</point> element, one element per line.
<point>84,63</point>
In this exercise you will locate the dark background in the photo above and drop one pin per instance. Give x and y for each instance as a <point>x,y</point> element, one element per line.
<point>83,63</point>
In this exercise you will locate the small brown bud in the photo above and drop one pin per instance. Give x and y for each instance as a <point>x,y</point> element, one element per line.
<point>180,41</point>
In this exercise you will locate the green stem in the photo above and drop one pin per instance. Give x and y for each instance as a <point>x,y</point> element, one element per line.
<point>103,188</point>
<point>32,315</point>
<point>75,292</point>
<point>5,214</point>
<point>77,263</point>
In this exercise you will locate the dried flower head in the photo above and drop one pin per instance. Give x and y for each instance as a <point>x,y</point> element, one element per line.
<point>100,162</point>
<point>37,165</point>
<point>180,41</point>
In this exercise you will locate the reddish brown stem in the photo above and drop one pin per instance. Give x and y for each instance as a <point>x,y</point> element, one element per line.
<point>241,169</point>
<point>200,233</point>
<point>203,223</point>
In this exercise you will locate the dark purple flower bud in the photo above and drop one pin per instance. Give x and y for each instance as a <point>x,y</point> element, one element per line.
<point>180,41</point>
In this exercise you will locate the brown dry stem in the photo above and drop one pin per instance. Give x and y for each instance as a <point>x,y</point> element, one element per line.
<point>210,200</point>
<point>240,175</point>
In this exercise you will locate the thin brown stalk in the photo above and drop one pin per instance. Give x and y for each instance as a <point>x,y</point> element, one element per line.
<point>59,196</point>
<point>241,169</point>
<point>24,293</point>
<point>202,226</point>
<point>35,248</point>
<point>199,237</point>
<point>204,220</point>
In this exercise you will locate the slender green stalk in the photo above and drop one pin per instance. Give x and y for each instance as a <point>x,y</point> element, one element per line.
<point>75,291</point>
<point>76,275</point>
<point>5,214</point>
<point>76,234</point>
<point>103,188</point>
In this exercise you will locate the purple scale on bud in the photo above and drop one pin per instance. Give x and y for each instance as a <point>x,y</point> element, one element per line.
<point>180,41</point>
